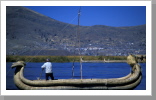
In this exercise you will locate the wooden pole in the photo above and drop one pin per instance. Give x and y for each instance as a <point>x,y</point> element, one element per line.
<point>73,69</point>
<point>79,41</point>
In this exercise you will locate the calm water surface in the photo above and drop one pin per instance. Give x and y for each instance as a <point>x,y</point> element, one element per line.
<point>64,71</point>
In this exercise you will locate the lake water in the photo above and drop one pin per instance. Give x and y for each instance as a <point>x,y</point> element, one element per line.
<point>64,71</point>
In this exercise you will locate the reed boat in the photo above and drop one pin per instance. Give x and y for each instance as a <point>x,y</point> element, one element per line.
<point>127,82</point>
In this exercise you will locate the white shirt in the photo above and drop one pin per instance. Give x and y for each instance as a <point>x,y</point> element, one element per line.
<point>48,67</point>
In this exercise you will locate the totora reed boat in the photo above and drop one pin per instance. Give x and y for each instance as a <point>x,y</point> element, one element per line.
<point>124,83</point>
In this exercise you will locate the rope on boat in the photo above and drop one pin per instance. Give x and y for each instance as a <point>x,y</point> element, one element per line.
<point>29,59</point>
<point>69,23</point>
<point>40,75</point>
<point>36,54</point>
<point>46,45</point>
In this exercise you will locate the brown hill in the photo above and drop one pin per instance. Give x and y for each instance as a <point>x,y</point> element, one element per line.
<point>31,33</point>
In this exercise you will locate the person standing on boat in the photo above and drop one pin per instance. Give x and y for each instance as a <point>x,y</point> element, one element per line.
<point>48,69</point>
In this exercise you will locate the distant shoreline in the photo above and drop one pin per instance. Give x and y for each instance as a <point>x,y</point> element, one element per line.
<point>102,59</point>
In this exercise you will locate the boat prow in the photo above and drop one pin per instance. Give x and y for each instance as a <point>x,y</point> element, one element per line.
<point>124,83</point>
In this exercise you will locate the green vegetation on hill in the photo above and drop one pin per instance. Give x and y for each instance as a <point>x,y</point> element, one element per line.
<point>61,58</point>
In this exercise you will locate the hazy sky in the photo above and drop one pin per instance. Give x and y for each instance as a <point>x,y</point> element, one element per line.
<point>96,15</point>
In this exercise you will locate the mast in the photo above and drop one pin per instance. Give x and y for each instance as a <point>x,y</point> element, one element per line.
<point>79,30</point>
<point>79,13</point>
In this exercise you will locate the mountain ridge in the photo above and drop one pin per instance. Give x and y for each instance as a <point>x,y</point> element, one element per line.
<point>29,32</point>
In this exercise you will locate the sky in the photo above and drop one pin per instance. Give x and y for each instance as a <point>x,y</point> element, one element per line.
<point>116,16</point>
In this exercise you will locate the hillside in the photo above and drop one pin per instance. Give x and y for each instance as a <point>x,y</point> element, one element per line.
<point>31,33</point>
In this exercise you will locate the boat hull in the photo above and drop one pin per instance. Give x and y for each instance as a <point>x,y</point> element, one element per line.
<point>124,83</point>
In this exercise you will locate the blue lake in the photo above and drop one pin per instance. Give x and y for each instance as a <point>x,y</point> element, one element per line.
<point>64,71</point>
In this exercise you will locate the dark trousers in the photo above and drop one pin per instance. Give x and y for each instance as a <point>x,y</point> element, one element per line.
<point>49,74</point>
